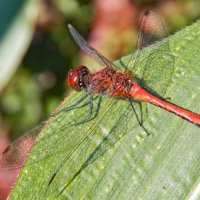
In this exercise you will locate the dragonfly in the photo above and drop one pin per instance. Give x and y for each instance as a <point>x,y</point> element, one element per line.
<point>114,83</point>
<point>111,82</point>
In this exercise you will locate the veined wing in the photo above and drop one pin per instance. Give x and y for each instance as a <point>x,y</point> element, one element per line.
<point>90,51</point>
<point>158,63</point>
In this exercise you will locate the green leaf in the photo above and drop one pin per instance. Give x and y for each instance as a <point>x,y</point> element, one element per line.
<point>17,24</point>
<point>116,159</point>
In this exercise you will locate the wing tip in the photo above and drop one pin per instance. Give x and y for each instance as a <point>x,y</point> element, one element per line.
<point>147,12</point>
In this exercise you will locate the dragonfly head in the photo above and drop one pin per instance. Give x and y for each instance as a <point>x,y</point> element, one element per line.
<point>77,78</point>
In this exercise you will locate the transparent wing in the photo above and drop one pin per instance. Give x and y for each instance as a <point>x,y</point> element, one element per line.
<point>90,51</point>
<point>96,141</point>
<point>15,155</point>
<point>151,31</point>
<point>94,145</point>
<point>158,64</point>
<point>17,152</point>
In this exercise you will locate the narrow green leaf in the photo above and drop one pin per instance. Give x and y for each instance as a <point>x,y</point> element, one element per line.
<point>115,158</point>
<point>17,21</point>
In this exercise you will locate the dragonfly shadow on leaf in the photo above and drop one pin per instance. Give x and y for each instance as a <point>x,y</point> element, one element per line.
<point>120,128</point>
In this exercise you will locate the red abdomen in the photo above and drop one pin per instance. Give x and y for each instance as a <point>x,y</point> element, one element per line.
<point>139,93</point>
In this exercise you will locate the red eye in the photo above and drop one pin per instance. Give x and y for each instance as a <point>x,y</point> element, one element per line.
<point>75,77</point>
<point>73,80</point>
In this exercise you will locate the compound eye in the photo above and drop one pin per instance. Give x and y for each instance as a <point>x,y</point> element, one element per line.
<point>73,80</point>
<point>76,77</point>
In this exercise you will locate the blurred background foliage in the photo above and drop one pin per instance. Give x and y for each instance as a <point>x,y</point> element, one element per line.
<point>37,50</point>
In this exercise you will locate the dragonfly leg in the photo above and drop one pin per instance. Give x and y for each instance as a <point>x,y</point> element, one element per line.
<point>141,111</point>
<point>83,105</point>
<point>89,116</point>
<point>74,106</point>
<point>65,159</point>
<point>90,113</point>
<point>140,121</point>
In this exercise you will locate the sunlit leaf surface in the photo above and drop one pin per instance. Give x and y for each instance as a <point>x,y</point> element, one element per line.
<point>111,157</point>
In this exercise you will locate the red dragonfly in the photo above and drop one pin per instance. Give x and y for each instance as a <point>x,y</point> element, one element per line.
<point>112,82</point>
<point>122,85</point>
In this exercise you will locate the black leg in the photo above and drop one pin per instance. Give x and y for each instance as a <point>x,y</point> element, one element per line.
<point>83,105</point>
<point>139,121</point>
<point>73,106</point>
<point>65,159</point>
<point>141,115</point>
<point>89,117</point>
<point>98,106</point>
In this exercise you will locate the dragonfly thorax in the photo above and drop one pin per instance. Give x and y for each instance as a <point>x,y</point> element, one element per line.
<point>78,77</point>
